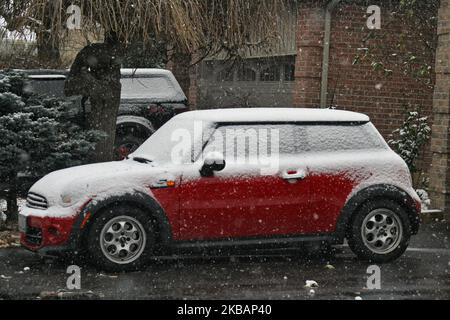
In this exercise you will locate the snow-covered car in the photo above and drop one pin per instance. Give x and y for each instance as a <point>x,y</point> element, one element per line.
<point>150,98</point>
<point>228,178</point>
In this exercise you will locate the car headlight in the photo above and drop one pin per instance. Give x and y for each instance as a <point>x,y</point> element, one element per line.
<point>66,200</point>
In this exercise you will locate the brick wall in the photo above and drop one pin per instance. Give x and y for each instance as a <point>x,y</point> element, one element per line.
<point>308,65</point>
<point>440,173</point>
<point>357,87</point>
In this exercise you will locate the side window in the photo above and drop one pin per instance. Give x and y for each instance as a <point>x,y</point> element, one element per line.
<point>240,142</point>
<point>158,87</point>
<point>243,142</point>
<point>47,87</point>
<point>343,137</point>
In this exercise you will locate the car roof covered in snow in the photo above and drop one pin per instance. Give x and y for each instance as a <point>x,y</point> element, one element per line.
<point>47,76</point>
<point>144,72</point>
<point>153,88</point>
<point>252,115</point>
<point>36,73</point>
<point>125,72</point>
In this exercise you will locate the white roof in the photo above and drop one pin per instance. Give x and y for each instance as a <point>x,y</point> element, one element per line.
<point>145,72</point>
<point>47,76</point>
<point>275,115</point>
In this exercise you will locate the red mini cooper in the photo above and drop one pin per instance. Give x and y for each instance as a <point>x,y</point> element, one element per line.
<point>229,178</point>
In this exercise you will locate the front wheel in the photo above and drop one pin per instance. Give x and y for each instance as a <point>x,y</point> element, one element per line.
<point>121,239</point>
<point>380,231</point>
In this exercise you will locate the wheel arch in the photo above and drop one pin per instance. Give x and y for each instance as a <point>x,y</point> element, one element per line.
<point>136,199</point>
<point>141,122</point>
<point>381,191</point>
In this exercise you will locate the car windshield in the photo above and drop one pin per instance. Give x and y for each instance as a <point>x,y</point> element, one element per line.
<point>179,141</point>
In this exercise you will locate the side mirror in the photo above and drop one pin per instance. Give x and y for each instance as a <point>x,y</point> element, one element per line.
<point>214,162</point>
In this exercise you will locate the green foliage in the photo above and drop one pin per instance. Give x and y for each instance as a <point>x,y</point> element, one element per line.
<point>409,140</point>
<point>35,136</point>
<point>411,50</point>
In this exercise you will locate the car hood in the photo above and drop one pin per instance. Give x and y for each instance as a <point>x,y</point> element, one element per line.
<point>99,180</point>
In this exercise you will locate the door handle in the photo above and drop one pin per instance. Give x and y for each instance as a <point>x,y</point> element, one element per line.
<point>296,174</point>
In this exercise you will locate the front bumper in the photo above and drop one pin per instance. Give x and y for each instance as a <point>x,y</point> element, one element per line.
<point>45,233</point>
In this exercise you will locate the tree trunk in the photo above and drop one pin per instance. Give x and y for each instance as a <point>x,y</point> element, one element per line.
<point>95,74</point>
<point>48,42</point>
<point>103,117</point>
<point>12,209</point>
<point>48,54</point>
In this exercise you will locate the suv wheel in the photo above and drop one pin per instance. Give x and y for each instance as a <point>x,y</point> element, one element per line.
<point>121,239</point>
<point>380,231</point>
<point>129,137</point>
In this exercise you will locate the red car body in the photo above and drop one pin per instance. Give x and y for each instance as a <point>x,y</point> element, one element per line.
<point>311,196</point>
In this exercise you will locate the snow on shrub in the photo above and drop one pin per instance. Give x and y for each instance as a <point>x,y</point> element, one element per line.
<point>409,140</point>
<point>425,199</point>
<point>36,136</point>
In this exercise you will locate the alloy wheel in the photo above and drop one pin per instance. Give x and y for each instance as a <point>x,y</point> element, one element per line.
<point>123,240</point>
<point>382,231</point>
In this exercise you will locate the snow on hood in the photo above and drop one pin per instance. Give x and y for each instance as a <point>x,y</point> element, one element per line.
<point>96,181</point>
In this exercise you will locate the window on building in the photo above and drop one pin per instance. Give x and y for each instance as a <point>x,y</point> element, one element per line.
<point>246,74</point>
<point>226,75</point>
<point>289,72</point>
<point>271,73</point>
<point>208,70</point>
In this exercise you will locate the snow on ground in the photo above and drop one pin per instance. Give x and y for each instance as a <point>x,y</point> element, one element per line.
<point>2,209</point>
<point>9,238</point>
<point>20,202</point>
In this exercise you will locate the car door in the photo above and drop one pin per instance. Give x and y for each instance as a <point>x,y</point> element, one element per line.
<point>265,197</point>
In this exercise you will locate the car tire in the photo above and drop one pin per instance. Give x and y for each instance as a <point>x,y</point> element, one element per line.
<point>380,231</point>
<point>121,239</point>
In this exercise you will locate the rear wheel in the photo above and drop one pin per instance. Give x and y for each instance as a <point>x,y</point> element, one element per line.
<point>380,231</point>
<point>121,239</point>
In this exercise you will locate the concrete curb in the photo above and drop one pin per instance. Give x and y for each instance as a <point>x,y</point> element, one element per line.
<point>432,216</point>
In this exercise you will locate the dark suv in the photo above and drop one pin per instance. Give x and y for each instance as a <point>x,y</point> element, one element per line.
<point>150,98</point>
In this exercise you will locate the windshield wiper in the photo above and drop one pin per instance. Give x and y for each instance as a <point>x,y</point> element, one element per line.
<point>142,160</point>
